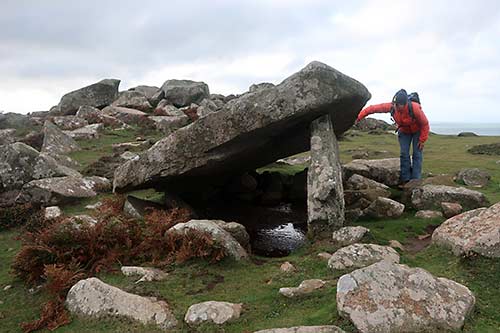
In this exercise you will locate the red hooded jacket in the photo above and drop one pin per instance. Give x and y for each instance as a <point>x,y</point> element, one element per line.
<point>406,123</point>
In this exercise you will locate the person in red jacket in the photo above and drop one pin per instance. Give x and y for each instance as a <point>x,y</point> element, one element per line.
<point>413,129</point>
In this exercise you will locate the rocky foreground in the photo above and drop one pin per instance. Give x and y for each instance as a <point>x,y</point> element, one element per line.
<point>212,144</point>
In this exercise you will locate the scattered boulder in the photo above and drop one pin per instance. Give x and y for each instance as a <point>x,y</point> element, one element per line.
<point>165,109</point>
<point>372,124</point>
<point>287,267</point>
<point>88,132</point>
<point>467,134</point>
<point>169,124</point>
<point>132,146</point>
<point>239,137</point>
<point>57,190</point>
<point>428,214</point>
<point>52,212</point>
<point>431,196</point>
<point>98,95</point>
<point>474,177</point>
<point>304,329</point>
<point>384,207</point>
<point>451,209</point>
<point>206,107</point>
<point>95,116</point>
<point>94,298</point>
<point>324,255</point>
<point>219,235</point>
<point>361,255</point>
<point>473,232</point>
<point>393,298</point>
<point>133,100</point>
<point>138,208</point>
<point>184,92</point>
<point>384,171</point>
<point>306,287</point>
<point>147,274</point>
<point>56,142</point>
<point>126,115</point>
<point>238,231</point>
<point>7,136</point>
<point>349,235</point>
<point>212,311</point>
<point>325,193</point>
<point>69,123</point>
<point>152,93</point>
<point>14,120</point>
<point>20,163</point>
<point>358,187</point>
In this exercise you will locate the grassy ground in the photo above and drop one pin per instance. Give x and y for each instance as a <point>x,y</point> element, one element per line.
<point>256,283</point>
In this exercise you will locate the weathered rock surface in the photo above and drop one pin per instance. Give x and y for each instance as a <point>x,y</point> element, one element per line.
<point>56,142</point>
<point>184,92</point>
<point>384,207</point>
<point>304,288</point>
<point>287,267</point>
<point>169,124</point>
<point>249,132</point>
<point>473,232</point>
<point>69,123</point>
<point>133,100</point>
<point>428,214</point>
<point>451,209</point>
<point>372,124</point>
<point>385,171</point>
<point>238,231</point>
<point>431,196</point>
<point>325,193</point>
<point>361,255</point>
<point>20,163</point>
<point>212,311</point>
<point>349,235</point>
<point>150,92</point>
<point>94,298</point>
<point>7,136</point>
<point>304,329</point>
<point>219,235</point>
<point>393,298</point>
<point>57,190</point>
<point>127,115</point>
<point>147,274</point>
<point>474,177</point>
<point>98,95</point>
<point>52,212</point>
<point>87,132</point>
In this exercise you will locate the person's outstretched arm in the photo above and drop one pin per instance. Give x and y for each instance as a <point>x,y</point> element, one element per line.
<point>377,108</point>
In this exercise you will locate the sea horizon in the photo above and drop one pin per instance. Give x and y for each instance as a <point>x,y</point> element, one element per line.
<point>454,128</point>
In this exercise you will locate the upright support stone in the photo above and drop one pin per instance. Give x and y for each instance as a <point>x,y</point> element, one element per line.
<point>325,194</point>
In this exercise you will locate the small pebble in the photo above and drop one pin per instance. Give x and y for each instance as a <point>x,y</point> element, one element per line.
<point>7,287</point>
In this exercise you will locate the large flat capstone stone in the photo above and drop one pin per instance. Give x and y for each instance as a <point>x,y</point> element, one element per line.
<point>250,131</point>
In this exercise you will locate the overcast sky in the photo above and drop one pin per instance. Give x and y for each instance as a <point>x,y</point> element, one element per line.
<point>448,51</point>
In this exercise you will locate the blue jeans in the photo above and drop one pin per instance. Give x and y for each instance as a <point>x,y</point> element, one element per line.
<point>410,169</point>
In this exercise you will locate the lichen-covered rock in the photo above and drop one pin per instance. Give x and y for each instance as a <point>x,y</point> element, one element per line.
<point>57,190</point>
<point>431,197</point>
<point>385,171</point>
<point>359,189</point>
<point>393,298</point>
<point>305,287</point>
<point>325,194</point>
<point>473,232</point>
<point>20,164</point>
<point>98,95</point>
<point>349,235</point>
<point>69,123</point>
<point>88,132</point>
<point>474,177</point>
<point>133,100</point>
<point>451,209</point>
<point>384,207</point>
<point>184,92</point>
<point>52,212</point>
<point>304,329</point>
<point>56,142</point>
<point>147,274</point>
<point>127,115</point>
<point>94,298</point>
<point>169,124</point>
<point>212,311</point>
<point>250,131</point>
<point>361,255</point>
<point>219,235</point>
<point>7,136</point>
<point>428,214</point>
<point>237,230</point>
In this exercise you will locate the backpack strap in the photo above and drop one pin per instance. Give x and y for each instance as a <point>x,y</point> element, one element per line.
<point>410,109</point>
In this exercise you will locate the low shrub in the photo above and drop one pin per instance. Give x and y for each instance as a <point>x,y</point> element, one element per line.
<point>19,215</point>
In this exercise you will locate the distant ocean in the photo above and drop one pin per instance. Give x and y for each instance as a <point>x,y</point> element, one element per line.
<point>491,129</point>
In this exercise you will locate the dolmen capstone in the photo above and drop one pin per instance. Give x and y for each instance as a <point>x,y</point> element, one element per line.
<point>250,131</point>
